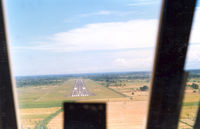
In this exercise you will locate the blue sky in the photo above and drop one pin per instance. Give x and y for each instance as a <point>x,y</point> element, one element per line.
<point>84,36</point>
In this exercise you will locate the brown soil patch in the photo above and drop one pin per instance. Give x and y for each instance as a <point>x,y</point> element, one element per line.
<point>120,115</point>
<point>34,111</point>
<point>56,122</point>
<point>30,117</point>
<point>126,115</point>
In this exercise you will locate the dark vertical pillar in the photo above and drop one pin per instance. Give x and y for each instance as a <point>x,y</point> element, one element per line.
<point>7,107</point>
<point>168,75</point>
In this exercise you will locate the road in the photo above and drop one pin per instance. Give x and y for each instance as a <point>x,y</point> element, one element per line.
<point>79,89</point>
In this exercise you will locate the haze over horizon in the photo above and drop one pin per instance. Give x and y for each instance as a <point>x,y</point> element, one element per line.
<point>70,37</point>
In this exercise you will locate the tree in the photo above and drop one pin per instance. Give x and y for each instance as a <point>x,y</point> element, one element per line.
<point>107,84</point>
<point>144,88</point>
<point>195,86</point>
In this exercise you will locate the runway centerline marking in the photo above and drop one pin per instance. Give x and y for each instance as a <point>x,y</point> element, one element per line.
<point>80,89</point>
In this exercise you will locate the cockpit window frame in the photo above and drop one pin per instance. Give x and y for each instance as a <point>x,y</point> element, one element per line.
<point>168,76</point>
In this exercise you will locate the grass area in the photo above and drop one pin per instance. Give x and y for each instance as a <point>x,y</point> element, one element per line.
<point>190,103</point>
<point>54,96</point>
<point>30,117</point>
<point>191,99</point>
<point>138,82</point>
<point>33,99</point>
<point>33,116</point>
<point>118,92</point>
<point>44,96</point>
<point>189,109</point>
<point>43,124</point>
<point>101,91</point>
<point>41,104</point>
<point>132,89</point>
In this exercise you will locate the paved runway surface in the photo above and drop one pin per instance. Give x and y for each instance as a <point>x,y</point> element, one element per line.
<point>79,89</point>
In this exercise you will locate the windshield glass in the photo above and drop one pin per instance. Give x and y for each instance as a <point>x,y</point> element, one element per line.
<point>83,50</point>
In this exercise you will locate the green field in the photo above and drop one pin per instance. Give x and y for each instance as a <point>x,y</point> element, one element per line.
<point>41,98</point>
<point>54,96</point>
<point>190,104</point>
<point>189,110</point>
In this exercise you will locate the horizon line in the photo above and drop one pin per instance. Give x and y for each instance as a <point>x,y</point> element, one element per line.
<point>144,71</point>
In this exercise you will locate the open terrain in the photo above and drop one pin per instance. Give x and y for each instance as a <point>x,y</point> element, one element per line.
<point>54,96</point>
<point>189,109</point>
<point>120,115</point>
<point>191,101</point>
<point>31,117</point>
<point>126,94</point>
<point>35,102</point>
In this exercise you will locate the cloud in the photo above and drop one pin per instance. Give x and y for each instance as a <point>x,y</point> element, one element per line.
<point>195,33</point>
<point>102,36</point>
<point>121,61</point>
<point>108,36</point>
<point>102,12</point>
<point>100,47</point>
<point>107,13</point>
<point>194,54</point>
<point>193,60</point>
<point>134,60</point>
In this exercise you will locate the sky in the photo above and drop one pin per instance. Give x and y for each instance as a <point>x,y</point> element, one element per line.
<point>87,36</point>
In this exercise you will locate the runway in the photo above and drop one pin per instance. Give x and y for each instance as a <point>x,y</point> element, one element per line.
<point>79,89</point>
